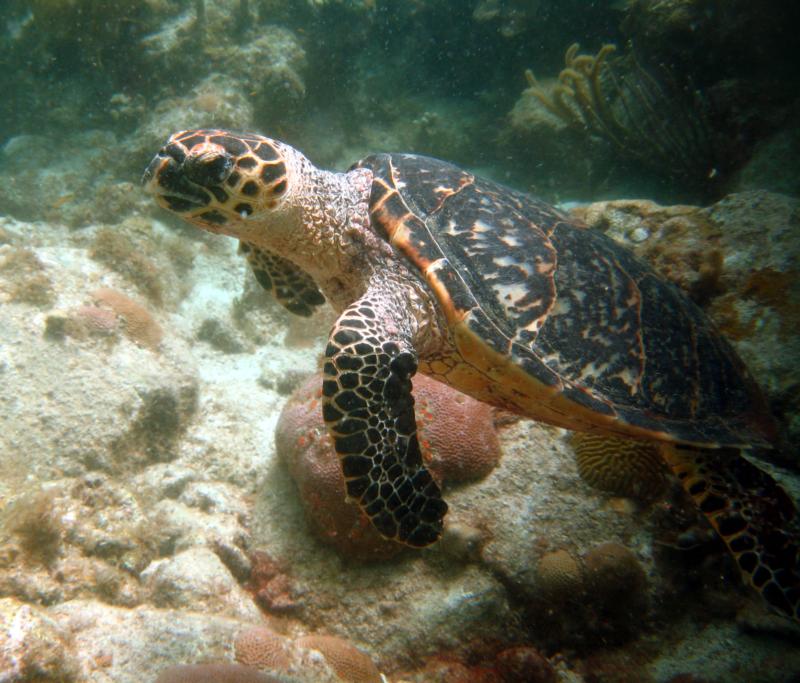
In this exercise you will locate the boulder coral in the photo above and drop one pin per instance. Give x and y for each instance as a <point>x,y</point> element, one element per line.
<point>615,575</point>
<point>608,578</point>
<point>458,439</point>
<point>261,648</point>
<point>560,576</point>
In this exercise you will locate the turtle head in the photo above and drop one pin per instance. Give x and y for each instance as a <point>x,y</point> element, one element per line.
<point>220,181</point>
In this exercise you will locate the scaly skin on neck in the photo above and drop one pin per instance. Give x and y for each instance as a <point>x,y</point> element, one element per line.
<point>323,226</point>
<point>332,239</point>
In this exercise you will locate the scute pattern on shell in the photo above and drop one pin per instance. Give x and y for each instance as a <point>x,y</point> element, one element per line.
<point>569,306</point>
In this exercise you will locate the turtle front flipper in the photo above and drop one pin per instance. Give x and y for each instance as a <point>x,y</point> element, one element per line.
<point>753,515</point>
<point>292,287</point>
<point>369,411</point>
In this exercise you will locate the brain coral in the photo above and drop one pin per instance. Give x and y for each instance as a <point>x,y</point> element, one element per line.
<point>456,432</point>
<point>349,663</point>
<point>620,466</point>
<point>458,440</point>
<point>261,648</point>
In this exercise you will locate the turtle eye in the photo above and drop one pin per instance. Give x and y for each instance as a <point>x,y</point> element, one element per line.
<point>208,164</point>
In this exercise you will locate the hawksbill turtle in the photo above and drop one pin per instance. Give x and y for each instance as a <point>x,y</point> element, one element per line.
<point>501,296</point>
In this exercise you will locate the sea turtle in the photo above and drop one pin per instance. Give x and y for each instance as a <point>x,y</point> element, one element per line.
<point>501,296</point>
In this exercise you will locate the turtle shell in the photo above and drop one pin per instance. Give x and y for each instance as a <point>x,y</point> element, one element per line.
<point>569,324</point>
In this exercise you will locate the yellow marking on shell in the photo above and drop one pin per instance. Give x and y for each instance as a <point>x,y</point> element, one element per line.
<point>511,260</point>
<point>431,270</point>
<point>511,294</point>
<point>630,379</point>
<point>562,306</point>
<point>399,233</point>
<point>510,241</point>
<point>378,205</point>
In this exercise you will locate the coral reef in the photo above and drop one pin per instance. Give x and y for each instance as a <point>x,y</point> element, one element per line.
<point>270,585</point>
<point>168,492</point>
<point>83,323</point>
<point>33,519</point>
<point>456,433</point>
<point>261,648</point>
<point>616,580</point>
<point>214,332</point>
<point>620,466</point>
<point>32,646</point>
<point>157,424</point>
<point>525,665</point>
<point>603,590</point>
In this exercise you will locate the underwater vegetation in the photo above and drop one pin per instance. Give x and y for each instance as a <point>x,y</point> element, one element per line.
<point>651,119</point>
<point>33,519</point>
<point>25,278</point>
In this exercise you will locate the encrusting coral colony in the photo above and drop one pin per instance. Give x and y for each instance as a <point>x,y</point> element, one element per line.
<point>235,461</point>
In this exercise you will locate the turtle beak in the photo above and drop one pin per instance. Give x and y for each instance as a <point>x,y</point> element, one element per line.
<point>165,177</point>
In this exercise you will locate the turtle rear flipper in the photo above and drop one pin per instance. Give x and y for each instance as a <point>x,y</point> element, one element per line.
<point>753,515</point>
<point>294,289</point>
<point>369,409</point>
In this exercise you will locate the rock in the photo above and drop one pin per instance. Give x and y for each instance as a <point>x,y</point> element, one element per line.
<point>32,646</point>
<point>130,646</point>
<point>197,579</point>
